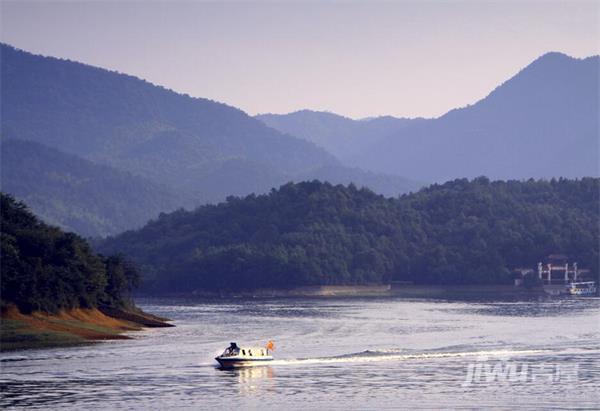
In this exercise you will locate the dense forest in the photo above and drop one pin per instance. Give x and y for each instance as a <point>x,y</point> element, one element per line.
<point>313,233</point>
<point>44,268</point>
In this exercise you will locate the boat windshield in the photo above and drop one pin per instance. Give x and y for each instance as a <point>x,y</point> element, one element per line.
<point>230,351</point>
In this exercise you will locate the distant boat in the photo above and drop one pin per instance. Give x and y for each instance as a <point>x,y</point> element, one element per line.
<point>235,356</point>
<point>581,288</point>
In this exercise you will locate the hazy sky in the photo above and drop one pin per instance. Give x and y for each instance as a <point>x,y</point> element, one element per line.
<point>354,58</point>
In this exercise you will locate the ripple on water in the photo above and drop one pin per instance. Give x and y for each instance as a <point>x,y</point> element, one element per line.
<point>342,354</point>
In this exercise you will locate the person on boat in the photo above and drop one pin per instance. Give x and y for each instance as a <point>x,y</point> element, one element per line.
<point>233,349</point>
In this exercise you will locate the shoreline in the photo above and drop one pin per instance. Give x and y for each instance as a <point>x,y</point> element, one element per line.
<point>71,327</point>
<point>347,291</point>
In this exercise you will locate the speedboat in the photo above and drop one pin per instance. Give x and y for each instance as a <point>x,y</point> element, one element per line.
<point>235,356</point>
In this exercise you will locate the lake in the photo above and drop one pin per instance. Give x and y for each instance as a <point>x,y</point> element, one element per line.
<point>358,353</point>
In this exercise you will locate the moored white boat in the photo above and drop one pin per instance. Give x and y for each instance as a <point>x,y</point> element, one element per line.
<point>235,356</point>
<point>581,288</point>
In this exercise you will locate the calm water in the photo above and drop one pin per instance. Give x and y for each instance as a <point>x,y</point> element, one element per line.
<point>335,353</point>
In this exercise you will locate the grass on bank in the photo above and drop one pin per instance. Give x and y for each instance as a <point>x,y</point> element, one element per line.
<point>65,328</point>
<point>18,335</point>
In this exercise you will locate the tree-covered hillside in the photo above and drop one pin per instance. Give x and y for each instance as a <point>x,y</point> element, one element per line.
<point>313,233</point>
<point>44,268</point>
<point>476,229</point>
<point>78,195</point>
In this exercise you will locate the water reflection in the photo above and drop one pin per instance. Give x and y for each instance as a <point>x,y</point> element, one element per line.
<point>249,380</point>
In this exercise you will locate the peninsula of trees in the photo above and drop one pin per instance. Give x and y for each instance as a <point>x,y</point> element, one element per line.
<point>55,290</point>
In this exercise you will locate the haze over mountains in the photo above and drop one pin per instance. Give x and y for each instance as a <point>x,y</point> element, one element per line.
<point>106,151</point>
<point>131,124</point>
<point>203,151</point>
<point>79,195</point>
<point>343,137</point>
<point>541,123</point>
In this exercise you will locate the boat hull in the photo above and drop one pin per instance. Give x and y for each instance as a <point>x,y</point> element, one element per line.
<point>242,362</point>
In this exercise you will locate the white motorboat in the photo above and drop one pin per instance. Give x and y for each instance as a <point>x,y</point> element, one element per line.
<point>582,288</point>
<point>235,356</point>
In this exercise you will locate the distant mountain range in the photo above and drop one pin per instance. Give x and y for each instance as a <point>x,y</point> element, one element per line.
<point>541,123</point>
<point>203,151</point>
<point>133,125</point>
<point>344,137</point>
<point>99,152</point>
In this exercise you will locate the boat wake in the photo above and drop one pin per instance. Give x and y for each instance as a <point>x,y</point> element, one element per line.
<point>397,355</point>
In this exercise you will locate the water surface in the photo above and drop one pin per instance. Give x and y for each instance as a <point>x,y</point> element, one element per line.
<point>335,353</point>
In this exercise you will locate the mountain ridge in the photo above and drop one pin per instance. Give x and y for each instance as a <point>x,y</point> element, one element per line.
<point>342,136</point>
<point>118,124</point>
<point>539,123</point>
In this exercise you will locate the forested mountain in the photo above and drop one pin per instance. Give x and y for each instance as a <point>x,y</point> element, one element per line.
<point>202,150</point>
<point>313,233</point>
<point>78,195</point>
<point>343,137</point>
<point>543,122</point>
<point>44,268</point>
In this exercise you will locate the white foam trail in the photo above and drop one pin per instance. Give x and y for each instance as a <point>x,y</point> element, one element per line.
<point>401,357</point>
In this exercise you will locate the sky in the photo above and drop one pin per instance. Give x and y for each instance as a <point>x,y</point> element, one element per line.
<point>358,59</point>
